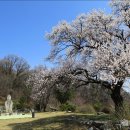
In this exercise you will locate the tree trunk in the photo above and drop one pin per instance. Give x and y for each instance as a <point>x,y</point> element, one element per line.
<point>43,105</point>
<point>118,100</point>
<point>44,108</point>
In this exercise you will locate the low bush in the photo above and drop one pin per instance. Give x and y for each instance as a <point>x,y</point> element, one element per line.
<point>68,107</point>
<point>106,110</point>
<point>87,109</point>
<point>20,104</point>
<point>126,110</point>
<point>97,106</point>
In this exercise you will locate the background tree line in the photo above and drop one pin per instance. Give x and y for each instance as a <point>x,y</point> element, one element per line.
<point>42,88</point>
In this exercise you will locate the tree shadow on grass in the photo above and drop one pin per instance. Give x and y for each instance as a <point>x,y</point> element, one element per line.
<point>66,122</point>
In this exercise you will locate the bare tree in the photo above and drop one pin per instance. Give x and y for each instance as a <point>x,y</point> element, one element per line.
<point>14,71</point>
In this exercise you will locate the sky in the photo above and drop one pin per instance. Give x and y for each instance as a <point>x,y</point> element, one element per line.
<point>23,25</point>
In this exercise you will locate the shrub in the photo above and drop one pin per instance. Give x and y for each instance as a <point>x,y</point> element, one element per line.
<point>97,106</point>
<point>67,107</point>
<point>16,105</point>
<point>88,109</point>
<point>126,110</point>
<point>20,104</point>
<point>64,96</point>
<point>106,110</point>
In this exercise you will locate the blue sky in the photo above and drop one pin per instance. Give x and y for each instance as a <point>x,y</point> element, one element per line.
<point>23,25</point>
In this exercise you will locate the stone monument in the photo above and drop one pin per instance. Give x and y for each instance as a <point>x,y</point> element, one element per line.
<point>9,105</point>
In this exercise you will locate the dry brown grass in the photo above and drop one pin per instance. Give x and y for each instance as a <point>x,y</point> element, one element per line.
<point>48,121</point>
<point>6,124</point>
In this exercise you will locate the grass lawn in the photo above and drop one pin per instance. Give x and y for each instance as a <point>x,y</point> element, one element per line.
<point>50,121</point>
